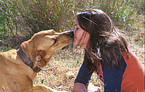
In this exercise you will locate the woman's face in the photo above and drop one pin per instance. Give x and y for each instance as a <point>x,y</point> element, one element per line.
<point>81,37</point>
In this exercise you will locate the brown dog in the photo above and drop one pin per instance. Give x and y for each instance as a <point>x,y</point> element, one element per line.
<point>19,67</point>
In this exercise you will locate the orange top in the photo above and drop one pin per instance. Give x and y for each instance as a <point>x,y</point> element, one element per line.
<point>133,77</point>
<point>129,78</point>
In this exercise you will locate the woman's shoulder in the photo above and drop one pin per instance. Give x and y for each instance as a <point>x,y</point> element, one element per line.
<point>132,59</point>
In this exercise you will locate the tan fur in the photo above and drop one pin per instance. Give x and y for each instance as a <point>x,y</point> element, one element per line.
<point>15,76</point>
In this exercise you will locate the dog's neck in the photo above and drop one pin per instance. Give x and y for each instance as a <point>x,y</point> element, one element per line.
<point>37,56</point>
<point>27,57</point>
<point>27,48</point>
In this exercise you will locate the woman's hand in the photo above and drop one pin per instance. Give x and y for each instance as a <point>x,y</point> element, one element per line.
<point>78,87</point>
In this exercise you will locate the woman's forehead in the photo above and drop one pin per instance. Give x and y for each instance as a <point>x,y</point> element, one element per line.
<point>76,23</point>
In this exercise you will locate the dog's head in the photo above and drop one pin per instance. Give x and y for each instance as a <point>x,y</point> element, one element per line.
<point>44,44</point>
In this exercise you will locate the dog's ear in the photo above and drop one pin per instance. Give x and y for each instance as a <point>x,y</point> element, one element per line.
<point>39,59</point>
<point>42,53</point>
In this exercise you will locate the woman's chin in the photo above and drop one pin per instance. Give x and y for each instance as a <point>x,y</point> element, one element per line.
<point>79,45</point>
<point>75,44</point>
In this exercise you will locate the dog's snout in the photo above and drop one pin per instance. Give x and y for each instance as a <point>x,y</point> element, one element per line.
<point>71,34</point>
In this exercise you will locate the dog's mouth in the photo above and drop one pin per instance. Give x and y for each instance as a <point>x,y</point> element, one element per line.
<point>65,47</point>
<point>68,44</point>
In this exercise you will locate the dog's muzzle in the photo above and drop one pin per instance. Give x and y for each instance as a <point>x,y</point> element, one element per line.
<point>71,35</point>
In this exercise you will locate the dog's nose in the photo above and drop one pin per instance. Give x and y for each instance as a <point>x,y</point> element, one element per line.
<point>71,34</point>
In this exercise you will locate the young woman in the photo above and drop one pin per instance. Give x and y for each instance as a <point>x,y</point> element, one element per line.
<point>106,53</point>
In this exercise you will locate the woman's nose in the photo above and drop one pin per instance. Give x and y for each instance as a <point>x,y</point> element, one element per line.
<point>74,30</point>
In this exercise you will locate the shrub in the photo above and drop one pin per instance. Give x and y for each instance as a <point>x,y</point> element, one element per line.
<point>26,17</point>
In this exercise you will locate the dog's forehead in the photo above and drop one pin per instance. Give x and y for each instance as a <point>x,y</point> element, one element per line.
<point>51,32</point>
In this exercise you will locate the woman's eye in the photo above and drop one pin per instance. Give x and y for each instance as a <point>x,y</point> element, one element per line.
<point>55,40</point>
<point>77,28</point>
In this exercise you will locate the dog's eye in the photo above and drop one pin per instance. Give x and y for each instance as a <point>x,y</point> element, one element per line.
<point>55,40</point>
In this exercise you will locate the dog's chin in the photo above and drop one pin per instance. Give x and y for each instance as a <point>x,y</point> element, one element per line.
<point>67,45</point>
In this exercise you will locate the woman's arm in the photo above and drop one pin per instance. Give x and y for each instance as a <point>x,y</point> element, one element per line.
<point>82,79</point>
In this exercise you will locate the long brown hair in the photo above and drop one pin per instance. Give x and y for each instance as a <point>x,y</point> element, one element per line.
<point>105,42</point>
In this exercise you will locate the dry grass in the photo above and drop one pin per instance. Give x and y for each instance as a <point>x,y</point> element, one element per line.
<point>62,69</point>
<point>64,66</point>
